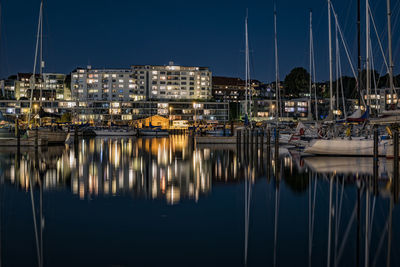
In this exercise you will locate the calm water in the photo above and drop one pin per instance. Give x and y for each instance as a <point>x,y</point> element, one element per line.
<point>160,202</point>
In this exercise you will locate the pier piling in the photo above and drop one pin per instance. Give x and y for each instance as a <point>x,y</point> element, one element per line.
<point>76,133</point>
<point>256,138</point>
<point>268,154</point>
<point>276,144</point>
<point>376,155</point>
<point>36,137</point>
<point>17,133</point>
<point>396,162</point>
<point>244,138</point>
<point>268,143</point>
<point>251,138</point>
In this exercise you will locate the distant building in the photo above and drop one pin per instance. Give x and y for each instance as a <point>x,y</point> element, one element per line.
<point>173,82</point>
<point>297,108</point>
<point>22,85</point>
<point>142,82</point>
<point>8,88</point>
<point>381,99</point>
<point>105,85</point>
<point>232,89</point>
<point>56,86</point>
<point>51,86</point>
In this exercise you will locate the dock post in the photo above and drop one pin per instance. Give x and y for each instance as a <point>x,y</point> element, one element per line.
<point>276,144</point>
<point>76,133</point>
<point>258,156</point>
<point>396,163</point>
<point>244,138</point>
<point>376,155</point>
<point>17,133</point>
<point>268,143</point>
<point>250,141</point>
<point>247,137</point>
<point>238,143</point>
<point>257,136</point>
<point>36,137</point>
<point>268,154</point>
<point>232,128</point>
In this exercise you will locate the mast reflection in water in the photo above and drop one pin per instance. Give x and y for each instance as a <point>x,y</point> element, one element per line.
<point>163,201</point>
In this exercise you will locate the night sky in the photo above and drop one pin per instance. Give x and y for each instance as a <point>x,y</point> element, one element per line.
<point>118,33</point>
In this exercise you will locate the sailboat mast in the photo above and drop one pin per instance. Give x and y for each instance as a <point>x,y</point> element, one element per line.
<point>2,85</point>
<point>359,51</point>
<point>33,77</point>
<point>367,48</point>
<point>277,91</point>
<point>246,70</point>
<point>337,61</point>
<point>41,55</point>
<point>330,62</point>
<point>311,76</point>
<point>389,14</point>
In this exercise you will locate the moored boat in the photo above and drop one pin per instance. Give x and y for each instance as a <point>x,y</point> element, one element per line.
<point>52,135</point>
<point>155,131</point>
<point>114,132</point>
<point>357,146</point>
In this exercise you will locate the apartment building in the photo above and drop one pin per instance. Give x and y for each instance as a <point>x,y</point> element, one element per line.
<point>232,89</point>
<point>173,82</point>
<point>51,86</point>
<point>105,85</point>
<point>141,82</point>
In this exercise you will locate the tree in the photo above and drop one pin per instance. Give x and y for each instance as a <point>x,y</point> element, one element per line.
<point>384,81</point>
<point>373,74</point>
<point>397,81</point>
<point>349,87</point>
<point>297,82</point>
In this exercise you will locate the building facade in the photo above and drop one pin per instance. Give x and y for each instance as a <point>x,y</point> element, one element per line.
<point>142,82</point>
<point>51,86</point>
<point>381,99</point>
<point>102,112</point>
<point>173,82</point>
<point>232,89</point>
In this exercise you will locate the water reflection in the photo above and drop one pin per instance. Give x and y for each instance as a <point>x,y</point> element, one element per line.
<point>158,168</point>
<point>292,211</point>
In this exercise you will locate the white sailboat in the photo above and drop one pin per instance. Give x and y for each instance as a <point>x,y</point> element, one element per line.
<point>355,146</point>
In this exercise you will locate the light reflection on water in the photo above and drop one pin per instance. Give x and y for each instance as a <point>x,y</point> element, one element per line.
<point>312,211</point>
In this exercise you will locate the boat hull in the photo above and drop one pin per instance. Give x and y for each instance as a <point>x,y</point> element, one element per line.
<point>153,133</point>
<point>52,137</point>
<point>114,133</point>
<point>346,147</point>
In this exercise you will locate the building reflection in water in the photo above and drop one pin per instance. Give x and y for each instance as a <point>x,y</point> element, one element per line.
<point>170,169</point>
<point>154,168</point>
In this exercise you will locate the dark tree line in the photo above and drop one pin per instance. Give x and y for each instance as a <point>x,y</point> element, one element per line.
<point>297,82</point>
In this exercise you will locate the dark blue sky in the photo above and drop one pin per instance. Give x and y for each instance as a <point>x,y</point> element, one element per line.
<point>119,33</point>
